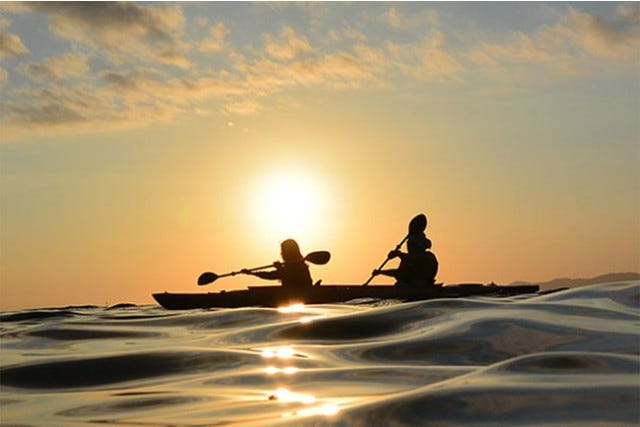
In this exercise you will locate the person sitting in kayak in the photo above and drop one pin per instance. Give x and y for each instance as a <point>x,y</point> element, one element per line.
<point>293,273</point>
<point>417,268</point>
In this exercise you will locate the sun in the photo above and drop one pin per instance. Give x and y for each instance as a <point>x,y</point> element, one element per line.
<point>288,204</point>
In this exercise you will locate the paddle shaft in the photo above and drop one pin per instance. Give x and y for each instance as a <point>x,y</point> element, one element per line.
<point>233,273</point>
<point>386,260</point>
<point>318,257</point>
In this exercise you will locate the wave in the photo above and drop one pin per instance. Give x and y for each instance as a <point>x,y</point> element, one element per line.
<point>566,358</point>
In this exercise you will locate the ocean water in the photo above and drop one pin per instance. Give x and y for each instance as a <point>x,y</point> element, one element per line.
<point>570,358</point>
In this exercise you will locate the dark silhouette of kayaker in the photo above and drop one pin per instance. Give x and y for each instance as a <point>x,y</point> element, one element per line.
<point>418,267</point>
<point>293,273</point>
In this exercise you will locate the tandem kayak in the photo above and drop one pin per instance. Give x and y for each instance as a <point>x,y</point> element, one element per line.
<point>277,296</point>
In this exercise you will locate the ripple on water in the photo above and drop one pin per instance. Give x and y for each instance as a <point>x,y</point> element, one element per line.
<point>492,396</point>
<point>569,358</point>
<point>109,370</point>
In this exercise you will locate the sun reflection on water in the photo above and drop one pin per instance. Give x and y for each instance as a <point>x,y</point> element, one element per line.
<point>327,410</point>
<point>292,308</point>
<point>309,319</point>
<point>286,396</point>
<point>287,370</point>
<point>302,309</point>
<point>312,406</point>
<point>282,352</point>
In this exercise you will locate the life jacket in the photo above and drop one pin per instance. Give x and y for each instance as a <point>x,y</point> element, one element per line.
<point>417,269</point>
<point>295,275</point>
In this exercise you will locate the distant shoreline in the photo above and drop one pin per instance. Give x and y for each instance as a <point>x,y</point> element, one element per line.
<point>566,282</point>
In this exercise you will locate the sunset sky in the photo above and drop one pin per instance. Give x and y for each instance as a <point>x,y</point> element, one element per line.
<point>144,143</point>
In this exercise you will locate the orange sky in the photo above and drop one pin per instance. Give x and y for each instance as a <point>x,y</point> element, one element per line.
<point>125,172</point>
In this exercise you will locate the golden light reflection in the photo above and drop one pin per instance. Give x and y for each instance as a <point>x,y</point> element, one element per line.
<point>293,308</point>
<point>309,319</point>
<point>282,352</point>
<point>286,396</point>
<point>327,410</point>
<point>287,370</point>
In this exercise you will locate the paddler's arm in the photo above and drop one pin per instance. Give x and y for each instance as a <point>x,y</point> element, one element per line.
<point>392,272</point>
<point>397,254</point>
<point>268,275</point>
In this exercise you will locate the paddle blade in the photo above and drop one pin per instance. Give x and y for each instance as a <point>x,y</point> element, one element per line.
<point>206,278</point>
<point>418,224</point>
<point>319,257</point>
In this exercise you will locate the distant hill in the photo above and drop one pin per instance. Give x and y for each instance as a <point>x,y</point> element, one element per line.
<point>573,283</point>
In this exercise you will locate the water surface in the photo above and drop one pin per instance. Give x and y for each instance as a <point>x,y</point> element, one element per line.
<point>568,358</point>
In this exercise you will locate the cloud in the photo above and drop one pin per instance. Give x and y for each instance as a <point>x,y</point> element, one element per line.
<point>50,108</point>
<point>399,21</point>
<point>243,107</point>
<point>347,33</point>
<point>437,58</point>
<point>521,49</point>
<point>116,100</point>
<point>336,70</point>
<point>11,45</point>
<point>3,77</point>
<point>142,39</point>
<point>46,114</point>
<point>629,12</point>
<point>394,18</point>
<point>216,41</point>
<point>145,87</point>
<point>289,45</point>
<point>431,58</point>
<point>595,37</point>
<point>291,61</point>
<point>572,46</point>
<point>59,67</point>
<point>120,29</point>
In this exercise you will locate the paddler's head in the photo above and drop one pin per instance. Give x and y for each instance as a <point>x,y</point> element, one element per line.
<point>290,251</point>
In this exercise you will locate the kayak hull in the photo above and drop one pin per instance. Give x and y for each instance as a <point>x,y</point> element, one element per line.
<point>276,296</point>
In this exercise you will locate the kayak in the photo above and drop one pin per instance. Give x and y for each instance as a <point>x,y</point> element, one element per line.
<point>277,296</point>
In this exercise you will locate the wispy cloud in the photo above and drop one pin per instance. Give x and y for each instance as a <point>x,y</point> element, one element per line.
<point>598,38</point>
<point>216,40</point>
<point>401,21</point>
<point>11,45</point>
<point>630,12</point>
<point>60,67</point>
<point>3,77</point>
<point>55,108</point>
<point>131,63</point>
<point>431,59</point>
<point>120,29</point>
<point>288,46</point>
<point>570,46</point>
<point>438,58</point>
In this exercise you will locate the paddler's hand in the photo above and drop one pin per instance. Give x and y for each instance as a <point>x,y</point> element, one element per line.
<point>277,265</point>
<point>245,271</point>
<point>393,254</point>
<point>375,272</point>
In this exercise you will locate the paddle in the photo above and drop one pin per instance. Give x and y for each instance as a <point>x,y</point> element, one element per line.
<point>318,258</point>
<point>417,225</point>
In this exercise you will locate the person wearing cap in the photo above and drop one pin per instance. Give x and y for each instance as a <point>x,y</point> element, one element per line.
<point>418,267</point>
<point>293,272</point>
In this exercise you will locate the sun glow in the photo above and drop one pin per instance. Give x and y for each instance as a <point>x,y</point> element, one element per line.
<point>284,395</point>
<point>282,352</point>
<point>288,205</point>
<point>293,308</point>
<point>287,370</point>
